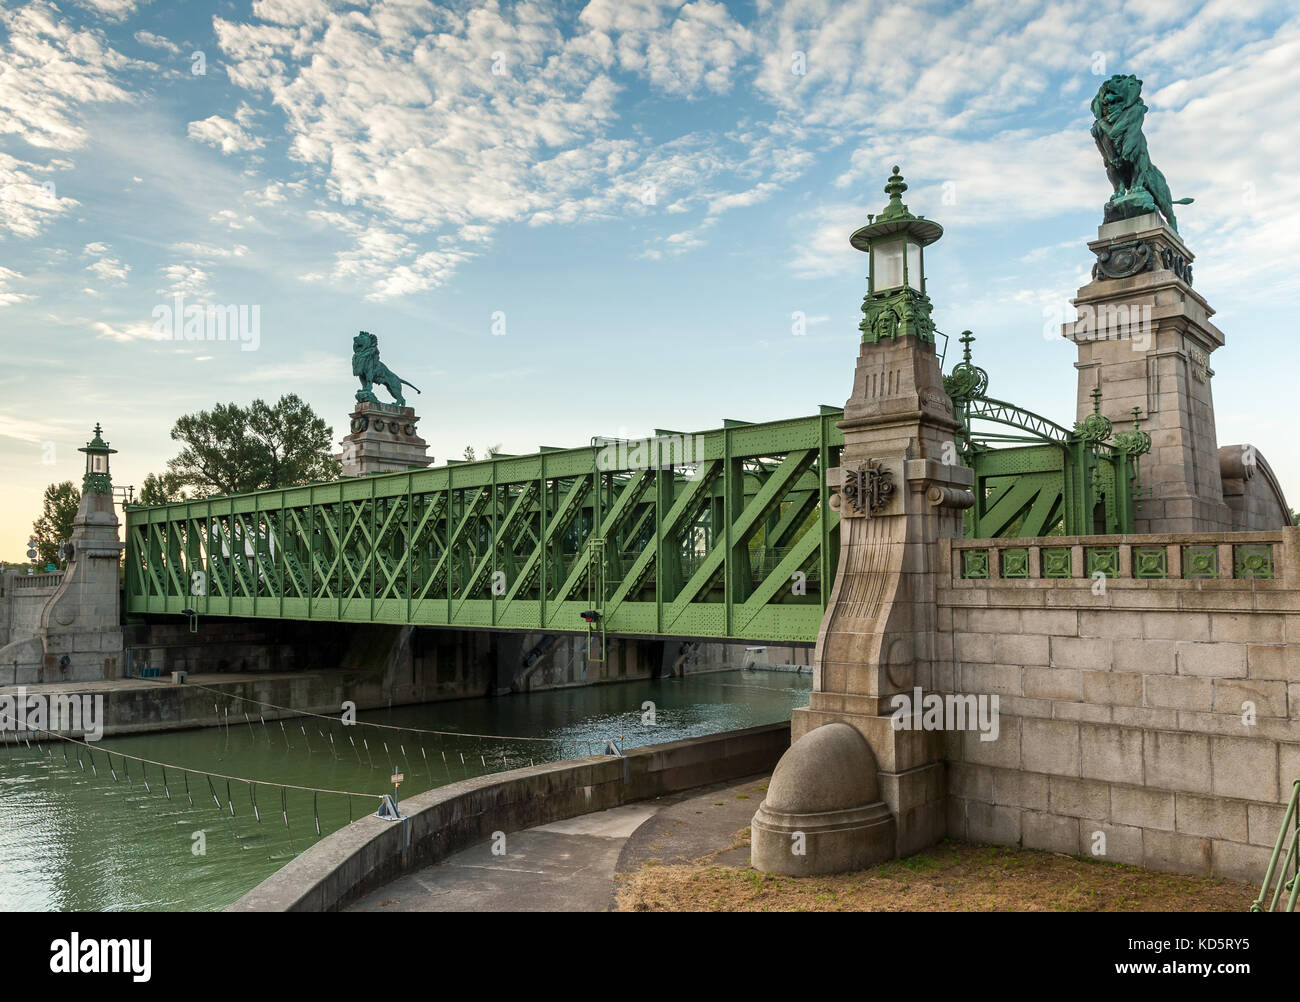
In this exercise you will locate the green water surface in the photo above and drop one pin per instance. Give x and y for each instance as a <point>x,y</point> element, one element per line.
<point>74,841</point>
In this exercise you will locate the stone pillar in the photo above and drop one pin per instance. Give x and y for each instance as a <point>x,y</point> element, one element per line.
<point>82,622</point>
<point>897,497</point>
<point>384,439</point>
<point>1144,336</point>
<point>878,637</point>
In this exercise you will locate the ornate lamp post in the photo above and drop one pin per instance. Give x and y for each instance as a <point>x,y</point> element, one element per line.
<point>97,479</point>
<point>896,303</point>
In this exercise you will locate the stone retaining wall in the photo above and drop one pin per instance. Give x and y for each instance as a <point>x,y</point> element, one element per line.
<point>1147,692</point>
<point>371,852</point>
<point>22,599</point>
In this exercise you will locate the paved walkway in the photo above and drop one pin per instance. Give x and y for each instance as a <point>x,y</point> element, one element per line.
<point>571,865</point>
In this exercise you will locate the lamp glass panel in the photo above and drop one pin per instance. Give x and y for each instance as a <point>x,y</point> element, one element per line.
<point>915,276</point>
<point>98,463</point>
<point>887,265</point>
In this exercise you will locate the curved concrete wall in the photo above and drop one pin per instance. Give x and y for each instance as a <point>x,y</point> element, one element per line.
<point>370,852</point>
<point>1252,491</point>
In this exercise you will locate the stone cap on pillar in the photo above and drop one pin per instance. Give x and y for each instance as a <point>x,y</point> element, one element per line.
<point>1128,247</point>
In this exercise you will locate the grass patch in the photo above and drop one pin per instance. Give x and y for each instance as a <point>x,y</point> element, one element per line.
<point>952,876</point>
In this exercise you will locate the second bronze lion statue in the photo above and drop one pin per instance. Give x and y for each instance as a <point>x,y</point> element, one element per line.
<point>1139,185</point>
<point>367,367</point>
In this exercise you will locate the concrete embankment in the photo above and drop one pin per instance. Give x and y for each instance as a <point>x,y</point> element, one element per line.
<point>371,852</point>
<point>136,706</point>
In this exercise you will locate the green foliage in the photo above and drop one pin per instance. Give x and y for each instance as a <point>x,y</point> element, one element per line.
<point>492,450</point>
<point>233,450</point>
<point>160,489</point>
<point>58,509</point>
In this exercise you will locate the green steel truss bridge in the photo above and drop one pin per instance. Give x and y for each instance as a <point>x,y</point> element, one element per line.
<point>723,534</point>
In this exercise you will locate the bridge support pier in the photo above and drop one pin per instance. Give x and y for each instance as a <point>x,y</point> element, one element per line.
<point>898,493</point>
<point>80,634</point>
<point>879,638</point>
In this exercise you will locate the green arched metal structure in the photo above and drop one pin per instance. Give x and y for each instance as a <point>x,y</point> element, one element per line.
<point>1047,480</point>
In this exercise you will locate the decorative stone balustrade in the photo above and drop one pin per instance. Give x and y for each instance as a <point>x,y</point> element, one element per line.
<point>1240,556</point>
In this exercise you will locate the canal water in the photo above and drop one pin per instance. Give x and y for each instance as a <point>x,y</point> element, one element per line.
<point>81,831</point>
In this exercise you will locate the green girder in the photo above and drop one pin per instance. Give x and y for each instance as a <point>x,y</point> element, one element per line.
<point>1060,482</point>
<point>739,545</point>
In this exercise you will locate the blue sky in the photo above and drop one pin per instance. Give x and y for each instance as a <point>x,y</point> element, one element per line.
<point>647,190</point>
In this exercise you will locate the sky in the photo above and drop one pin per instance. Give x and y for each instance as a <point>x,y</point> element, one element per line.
<point>568,219</point>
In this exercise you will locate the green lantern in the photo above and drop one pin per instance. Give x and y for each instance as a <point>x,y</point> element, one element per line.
<point>896,304</point>
<point>97,479</point>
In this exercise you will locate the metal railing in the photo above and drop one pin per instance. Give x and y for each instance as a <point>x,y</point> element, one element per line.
<point>1285,853</point>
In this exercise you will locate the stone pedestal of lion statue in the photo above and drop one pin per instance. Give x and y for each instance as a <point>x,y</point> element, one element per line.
<point>384,439</point>
<point>899,491</point>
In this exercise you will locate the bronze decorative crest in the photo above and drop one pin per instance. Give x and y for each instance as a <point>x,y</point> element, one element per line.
<point>868,487</point>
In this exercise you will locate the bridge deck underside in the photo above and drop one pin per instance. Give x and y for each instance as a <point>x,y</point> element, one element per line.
<point>724,534</point>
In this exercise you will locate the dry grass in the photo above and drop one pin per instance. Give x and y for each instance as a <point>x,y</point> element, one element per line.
<point>952,876</point>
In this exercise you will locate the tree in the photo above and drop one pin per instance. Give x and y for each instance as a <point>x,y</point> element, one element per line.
<point>59,508</point>
<point>234,450</point>
<point>492,450</point>
<point>160,489</point>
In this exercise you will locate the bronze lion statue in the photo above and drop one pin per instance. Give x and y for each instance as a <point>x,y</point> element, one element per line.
<point>1139,185</point>
<point>367,367</point>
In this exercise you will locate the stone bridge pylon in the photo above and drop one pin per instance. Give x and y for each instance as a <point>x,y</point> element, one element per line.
<point>899,492</point>
<point>79,638</point>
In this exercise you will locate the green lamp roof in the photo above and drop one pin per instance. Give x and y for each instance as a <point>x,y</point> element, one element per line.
<point>896,218</point>
<point>97,444</point>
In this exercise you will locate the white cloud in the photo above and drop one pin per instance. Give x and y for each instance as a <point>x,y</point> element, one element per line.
<point>681,49</point>
<point>274,192</point>
<point>157,42</point>
<point>25,429</point>
<point>106,267</point>
<point>232,220</point>
<point>227,136</point>
<point>822,241</point>
<point>210,250</point>
<point>430,150</point>
<point>741,199</point>
<point>314,367</point>
<point>392,265</point>
<point>48,72</point>
<point>9,297</point>
<point>28,203</point>
<point>112,10</point>
<point>186,280</point>
<point>125,332</point>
